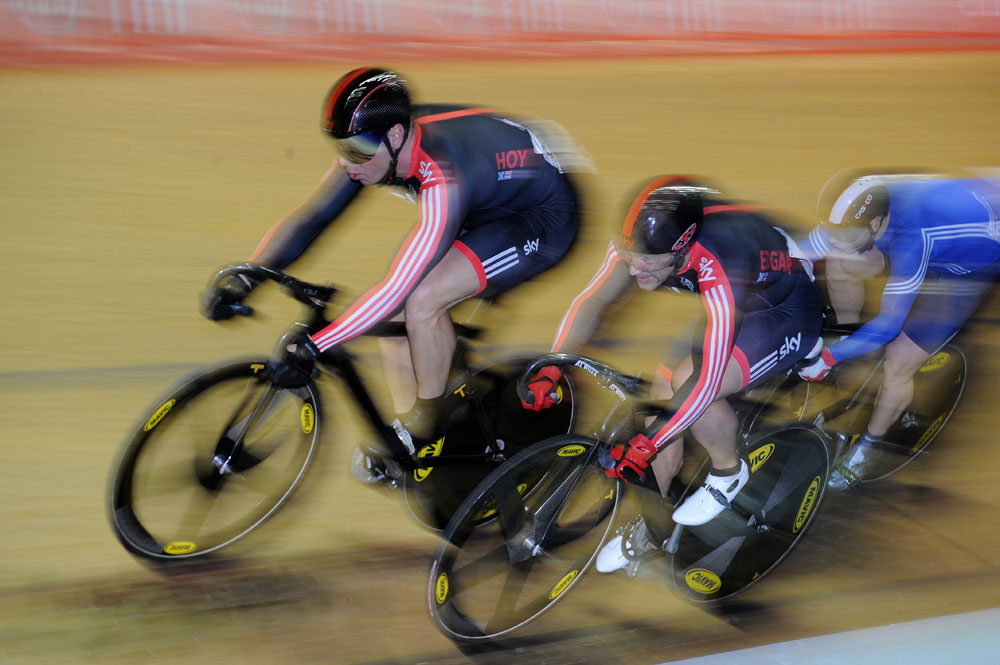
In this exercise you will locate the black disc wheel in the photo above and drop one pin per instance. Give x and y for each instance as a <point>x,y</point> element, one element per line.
<point>521,540</point>
<point>775,403</point>
<point>211,461</point>
<point>789,467</point>
<point>484,424</point>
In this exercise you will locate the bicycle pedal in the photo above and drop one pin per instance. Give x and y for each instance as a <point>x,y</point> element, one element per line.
<point>632,568</point>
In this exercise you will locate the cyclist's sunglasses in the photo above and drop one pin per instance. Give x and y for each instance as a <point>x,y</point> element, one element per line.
<point>359,148</point>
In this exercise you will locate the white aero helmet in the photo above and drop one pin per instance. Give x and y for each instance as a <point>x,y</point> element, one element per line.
<point>864,197</point>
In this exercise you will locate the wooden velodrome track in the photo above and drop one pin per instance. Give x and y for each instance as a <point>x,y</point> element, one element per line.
<point>123,188</point>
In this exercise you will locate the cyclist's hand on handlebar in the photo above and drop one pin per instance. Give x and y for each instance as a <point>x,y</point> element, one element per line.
<point>297,365</point>
<point>631,459</point>
<point>225,299</point>
<point>819,367</point>
<point>545,390</point>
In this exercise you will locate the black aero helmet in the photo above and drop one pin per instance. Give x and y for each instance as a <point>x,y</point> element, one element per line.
<point>666,216</point>
<point>367,100</point>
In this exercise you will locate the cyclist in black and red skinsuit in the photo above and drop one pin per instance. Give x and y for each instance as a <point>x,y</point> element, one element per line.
<point>762,315</point>
<point>496,209</point>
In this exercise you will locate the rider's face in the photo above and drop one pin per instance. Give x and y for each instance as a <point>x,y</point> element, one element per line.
<point>370,172</point>
<point>854,239</point>
<point>650,270</point>
<point>850,240</point>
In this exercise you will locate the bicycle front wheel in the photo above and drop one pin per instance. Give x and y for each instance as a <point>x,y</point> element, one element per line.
<point>211,461</point>
<point>553,507</point>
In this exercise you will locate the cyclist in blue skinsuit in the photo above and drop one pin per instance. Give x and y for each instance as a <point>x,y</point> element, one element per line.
<point>941,242</point>
<point>495,209</point>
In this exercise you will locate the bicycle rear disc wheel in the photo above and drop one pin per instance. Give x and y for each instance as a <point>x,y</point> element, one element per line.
<point>789,470</point>
<point>937,389</point>
<point>182,487</point>
<point>433,494</point>
<point>774,403</point>
<point>553,511</point>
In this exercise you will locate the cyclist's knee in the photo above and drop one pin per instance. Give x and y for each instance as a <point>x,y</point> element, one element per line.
<point>902,360</point>
<point>422,306</point>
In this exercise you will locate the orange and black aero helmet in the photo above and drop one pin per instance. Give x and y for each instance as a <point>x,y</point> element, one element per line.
<point>665,216</point>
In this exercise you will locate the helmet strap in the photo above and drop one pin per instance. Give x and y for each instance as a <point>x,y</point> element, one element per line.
<point>391,177</point>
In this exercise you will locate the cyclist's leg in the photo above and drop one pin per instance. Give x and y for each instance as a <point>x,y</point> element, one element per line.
<point>431,334</point>
<point>937,314</point>
<point>716,428</point>
<point>667,463</point>
<point>845,275</point>
<point>485,261</point>
<point>902,360</point>
<point>769,342</point>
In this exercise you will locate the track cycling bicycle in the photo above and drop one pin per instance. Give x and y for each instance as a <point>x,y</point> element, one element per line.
<point>223,449</point>
<point>555,508</point>
<point>488,580</point>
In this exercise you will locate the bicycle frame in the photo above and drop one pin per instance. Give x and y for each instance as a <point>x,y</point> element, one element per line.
<point>339,362</point>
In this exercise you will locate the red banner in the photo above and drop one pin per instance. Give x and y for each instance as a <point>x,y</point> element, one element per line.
<point>332,28</point>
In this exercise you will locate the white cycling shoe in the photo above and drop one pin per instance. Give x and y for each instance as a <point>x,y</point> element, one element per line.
<point>712,498</point>
<point>628,549</point>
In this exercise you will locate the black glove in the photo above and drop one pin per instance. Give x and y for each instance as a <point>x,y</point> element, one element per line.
<point>224,300</point>
<point>296,366</point>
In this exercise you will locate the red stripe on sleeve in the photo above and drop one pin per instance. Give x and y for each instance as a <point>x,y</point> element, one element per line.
<point>611,259</point>
<point>409,264</point>
<point>717,297</point>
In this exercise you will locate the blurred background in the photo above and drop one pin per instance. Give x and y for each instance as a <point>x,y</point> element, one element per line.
<point>144,144</point>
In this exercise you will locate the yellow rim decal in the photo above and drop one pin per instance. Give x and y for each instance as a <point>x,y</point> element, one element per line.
<point>702,581</point>
<point>256,367</point>
<point>930,432</point>
<point>808,501</point>
<point>307,418</point>
<point>491,506</point>
<point>430,450</point>
<point>570,451</point>
<point>761,455</point>
<point>937,361</point>
<point>158,415</point>
<point>179,547</point>
<point>441,589</point>
<point>563,584</point>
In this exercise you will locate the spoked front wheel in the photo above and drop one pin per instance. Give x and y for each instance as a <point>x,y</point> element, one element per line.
<point>211,461</point>
<point>552,508</point>
<point>789,468</point>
